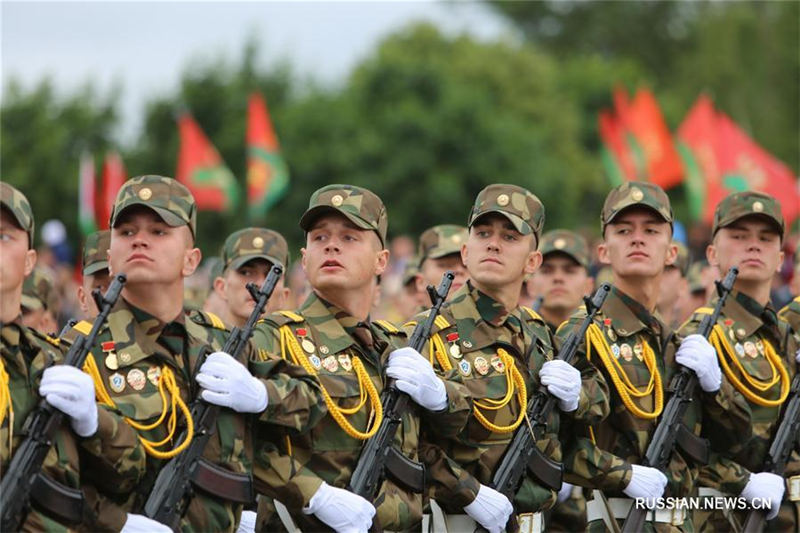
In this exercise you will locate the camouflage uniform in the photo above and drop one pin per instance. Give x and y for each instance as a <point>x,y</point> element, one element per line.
<point>254,243</point>
<point>111,457</point>
<point>136,351</point>
<point>791,314</point>
<point>570,514</point>
<point>748,334</point>
<point>601,456</point>
<point>468,345</point>
<point>95,252</point>
<point>39,292</point>
<point>290,467</point>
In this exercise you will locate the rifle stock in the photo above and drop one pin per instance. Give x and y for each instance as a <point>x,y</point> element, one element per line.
<point>24,472</point>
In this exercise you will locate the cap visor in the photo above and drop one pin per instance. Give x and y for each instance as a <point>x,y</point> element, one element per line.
<point>310,216</point>
<point>244,259</point>
<point>637,204</point>
<point>169,218</point>
<point>94,268</point>
<point>519,224</point>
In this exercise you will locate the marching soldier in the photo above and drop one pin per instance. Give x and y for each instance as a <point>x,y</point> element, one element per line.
<point>149,364</point>
<point>247,256</point>
<point>636,353</point>
<point>499,353</point>
<point>40,302</point>
<point>97,445</point>
<point>756,352</point>
<point>332,336</point>
<point>440,251</point>
<point>95,271</point>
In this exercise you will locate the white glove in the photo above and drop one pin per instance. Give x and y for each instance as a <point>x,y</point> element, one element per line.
<point>562,381</point>
<point>646,482</point>
<point>72,392</point>
<point>228,383</point>
<point>137,523</point>
<point>415,377</point>
<point>341,509</point>
<point>490,509</point>
<point>565,491</point>
<point>768,488</point>
<point>697,354</point>
<point>247,523</point>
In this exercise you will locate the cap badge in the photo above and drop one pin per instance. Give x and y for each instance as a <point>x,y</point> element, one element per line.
<point>456,238</point>
<point>258,242</point>
<point>337,200</point>
<point>758,207</point>
<point>145,193</point>
<point>502,200</point>
<point>637,195</point>
<point>559,244</point>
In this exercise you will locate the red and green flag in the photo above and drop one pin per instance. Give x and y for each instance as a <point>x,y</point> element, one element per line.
<point>112,179</point>
<point>202,170</point>
<point>267,173</point>
<point>721,158</point>
<point>86,194</point>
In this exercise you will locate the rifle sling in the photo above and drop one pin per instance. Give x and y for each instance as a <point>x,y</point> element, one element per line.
<point>223,483</point>
<point>64,503</point>
<point>405,472</point>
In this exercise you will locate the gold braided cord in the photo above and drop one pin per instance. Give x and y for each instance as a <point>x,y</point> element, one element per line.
<point>515,383</point>
<point>367,389</point>
<point>597,341</point>
<point>166,383</point>
<point>779,373</point>
<point>6,404</point>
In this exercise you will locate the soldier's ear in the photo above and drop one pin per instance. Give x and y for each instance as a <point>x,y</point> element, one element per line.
<point>82,300</point>
<point>191,260</point>
<point>711,255</point>
<point>30,261</point>
<point>303,258</point>
<point>781,255</point>
<point>219,287</point>
<point>672,254</point>
<point>602,253</point>
<point>534,262</point>
<point>381,262</point>
<point>464,254</point>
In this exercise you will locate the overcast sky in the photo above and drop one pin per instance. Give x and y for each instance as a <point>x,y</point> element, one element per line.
<point>145,45</point>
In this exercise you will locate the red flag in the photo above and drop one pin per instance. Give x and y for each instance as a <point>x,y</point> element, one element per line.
<point>202,170</point>
<point>726,160</point>
<point>267,173</point>
<point>86,195</point>
<point>112,179</point>
<point>616,158</point>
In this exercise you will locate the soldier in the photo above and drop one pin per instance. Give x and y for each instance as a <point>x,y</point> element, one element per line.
<point>757,354</point>
<point>499,353</point>
<point>674,291</point>
<point>635,352</point>
<point>563,279</point>
<point>40,302</point>
<point>214,303</point>
<point>95,271</point>
<point>247,256</point>
<point>150,355</point>
<point>440,251</point>
<point>332,335</point>
<point>96,440</point>
<point>410,300</point>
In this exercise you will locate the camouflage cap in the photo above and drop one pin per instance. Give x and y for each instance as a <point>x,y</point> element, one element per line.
<point>441,240</point>
<point>566,242</point>
<point>695,276</point>
<point>410,271</point>
<point>361,207</point>
<point>95,252</point>
<point>741,204</point>
<point>215,268</point>
<point>682,261</point>
<point>254,243</point>
<point>17,204</point>
<point>517,204</point>
<point>635,193</point>
<point>38,291</point>
<point>170,199</point>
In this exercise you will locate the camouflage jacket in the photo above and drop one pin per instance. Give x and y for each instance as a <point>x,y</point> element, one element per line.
<point>112,457</point>
<point>134,349</point>
<point>791,314</point>
<point>601,456</point>
<point>474,329</point>
<point>749,330</point>
<point>289,466</point>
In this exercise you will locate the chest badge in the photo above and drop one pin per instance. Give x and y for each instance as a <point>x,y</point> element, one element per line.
<point>481,366</point>
<point>465,368</point>
<point>315,361</point>
<point>110,360</point>
<point>116,382</point>
<point>330,364</point>
<point>739,349</point>
<point>615,350</point>
<point>154,375</point>
<point>626,351</point>
<point>638,351</point>
<point>345,362</point>
<point>498,365</point>
<point>455,351</point>
<point>136,379</point>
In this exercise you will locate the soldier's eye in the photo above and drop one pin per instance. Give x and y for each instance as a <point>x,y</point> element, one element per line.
<point>5,237</point>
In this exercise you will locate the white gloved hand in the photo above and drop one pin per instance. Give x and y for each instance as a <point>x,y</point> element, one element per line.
<point>565,491</point>
<point>228,383</point>
<point>415,377</point>
<point>562,381</point>
<point>341,509</point>
<point>646,482</point>
<point>72,392</point>
<point>247,523</point>
<point>697,354</point>
<point>137,523</point>
<point>766,487</point>
<point>490,509</point>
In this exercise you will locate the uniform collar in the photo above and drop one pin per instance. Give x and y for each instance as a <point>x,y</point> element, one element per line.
<point>136,331</point>
<point>470,309</point>
<point>627,316</point>
<point>747,314</point>
<point>328,324</point>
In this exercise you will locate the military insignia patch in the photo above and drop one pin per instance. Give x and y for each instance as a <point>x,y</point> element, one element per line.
<point>497,364</point>
<point>481,366</point>
<point>638,351</point>
<point>330,364</point>
<point>315,362</point>
<point>116,382</point>
<point>739,349</point>
<point>467,345</point>
<point>455,351</point>
<point>136,379</point>
<point>111,361</point>
<point>307,345</point>
<point>626,351</point>
<point>323,349</point>
<point>615,350</point>
<point>154,375</point>
<point>741,333</point>
<point>465,367</point>
<point>760,346</point>
<point>345,361</point>
<point>611,335</point>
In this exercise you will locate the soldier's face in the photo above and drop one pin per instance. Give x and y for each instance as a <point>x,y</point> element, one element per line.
<point>149,251</point>
<point>234,289</point>
<point>17,260</point>
<point>497,255</point>
<point>562,282</point>
<point>341,256</point>
<point>433,270</point>
<point>638,244</point>
<point>751,244</point>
